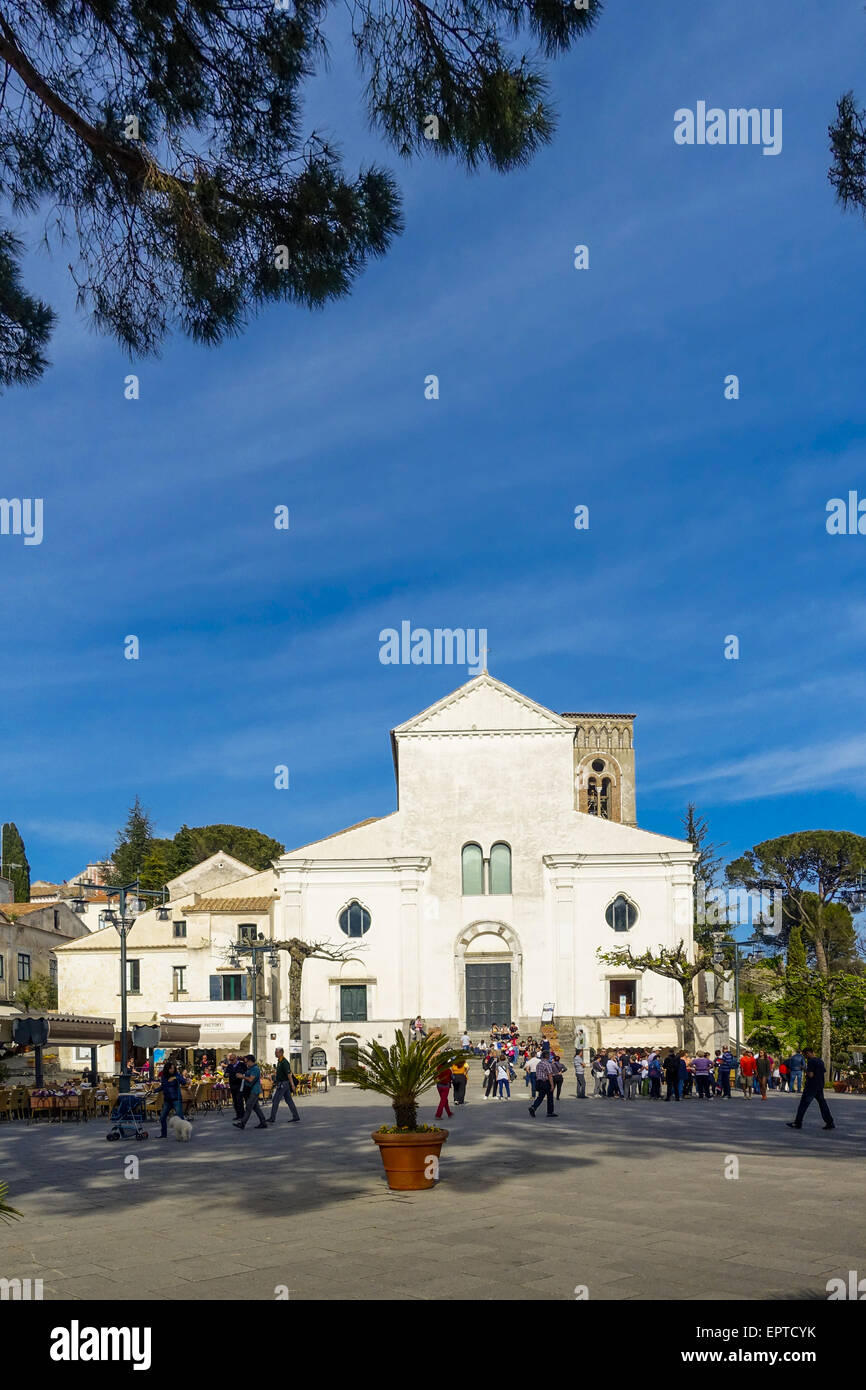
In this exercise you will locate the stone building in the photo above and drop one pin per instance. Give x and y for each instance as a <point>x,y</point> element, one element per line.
<point>30,936</point>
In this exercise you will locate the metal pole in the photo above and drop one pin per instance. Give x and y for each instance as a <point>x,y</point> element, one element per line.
<point>123,1082</point>
<point>255,1002</point>
<point>737,992</point>
<point>93,1069</point>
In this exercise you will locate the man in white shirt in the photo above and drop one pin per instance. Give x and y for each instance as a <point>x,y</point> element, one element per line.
<point>466,1042</point>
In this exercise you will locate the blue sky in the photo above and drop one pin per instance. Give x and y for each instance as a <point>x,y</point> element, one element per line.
<point>557,387</point>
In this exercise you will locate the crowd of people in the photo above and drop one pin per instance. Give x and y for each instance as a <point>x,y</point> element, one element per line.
<point>626,1073</point>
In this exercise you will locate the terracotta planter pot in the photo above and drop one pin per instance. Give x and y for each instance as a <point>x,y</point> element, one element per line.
<point>406,1158</point>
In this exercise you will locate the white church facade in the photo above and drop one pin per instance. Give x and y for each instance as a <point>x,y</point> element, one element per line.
<point>512,858</point>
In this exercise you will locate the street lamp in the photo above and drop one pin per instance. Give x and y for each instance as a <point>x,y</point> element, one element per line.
<point>129,903</point>
<point>255,949</point>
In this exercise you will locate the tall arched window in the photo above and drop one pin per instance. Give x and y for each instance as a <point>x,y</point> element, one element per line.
<point>473,870</point>
<point>621,914</point>
<point>592,797</point>
<point>354,919</point>
<point>500,869</point>
<point>604,801</point>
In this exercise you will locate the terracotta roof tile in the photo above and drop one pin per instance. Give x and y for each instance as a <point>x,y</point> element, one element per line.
<point>229,905</point>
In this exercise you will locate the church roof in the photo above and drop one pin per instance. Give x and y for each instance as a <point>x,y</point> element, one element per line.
<point>469,692</point>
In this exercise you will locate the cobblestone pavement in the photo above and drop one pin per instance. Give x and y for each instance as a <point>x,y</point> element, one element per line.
<point>630,1200</point>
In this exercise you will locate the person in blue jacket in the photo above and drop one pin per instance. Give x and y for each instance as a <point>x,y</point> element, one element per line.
<point>252,1094</point>
<point>169,1084</point>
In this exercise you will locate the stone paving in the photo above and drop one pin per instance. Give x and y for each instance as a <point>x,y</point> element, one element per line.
<point>629,1199</point>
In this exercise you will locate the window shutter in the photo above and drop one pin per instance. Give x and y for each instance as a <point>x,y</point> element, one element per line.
<point>215,987</point>
<point>245,987</point>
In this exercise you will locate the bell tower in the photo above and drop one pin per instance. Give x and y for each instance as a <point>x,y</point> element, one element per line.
<point>604,765</point>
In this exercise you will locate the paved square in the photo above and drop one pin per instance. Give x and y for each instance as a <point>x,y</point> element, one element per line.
<point>629,1199</point>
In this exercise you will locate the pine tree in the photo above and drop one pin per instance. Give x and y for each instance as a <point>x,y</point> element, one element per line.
<point>25,322</point>
<point>132,846</point>
<point>166,139</point>
<point>15,853</point>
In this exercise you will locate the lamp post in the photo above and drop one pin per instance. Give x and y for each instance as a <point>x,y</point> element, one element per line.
<point>123,922</point>
<point>255,950</point>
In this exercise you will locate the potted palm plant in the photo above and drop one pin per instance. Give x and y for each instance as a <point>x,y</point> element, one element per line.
<point>7,1213</point>
<point>403,1072</point>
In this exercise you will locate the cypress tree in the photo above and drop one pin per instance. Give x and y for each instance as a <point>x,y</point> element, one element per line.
<point>15,853</point>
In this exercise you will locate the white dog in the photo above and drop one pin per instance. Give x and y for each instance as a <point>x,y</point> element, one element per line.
<point>181,1129</point>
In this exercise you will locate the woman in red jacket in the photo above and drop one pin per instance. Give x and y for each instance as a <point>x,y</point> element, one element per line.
<point>443,1086</point>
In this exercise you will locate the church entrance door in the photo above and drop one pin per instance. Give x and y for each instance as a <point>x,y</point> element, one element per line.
<point>488,994</point>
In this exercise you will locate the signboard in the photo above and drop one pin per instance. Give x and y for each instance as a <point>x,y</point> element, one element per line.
<point>159,1055</point>
<point>295,1045</point>
<point>547,1013</point>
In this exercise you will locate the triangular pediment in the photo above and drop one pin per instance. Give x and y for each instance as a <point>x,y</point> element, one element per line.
<point>484,704</point>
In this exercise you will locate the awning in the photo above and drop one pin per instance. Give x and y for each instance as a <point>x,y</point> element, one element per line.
<point>230,1042</point>
<point>74,1030</point>
<point>174,1034</point>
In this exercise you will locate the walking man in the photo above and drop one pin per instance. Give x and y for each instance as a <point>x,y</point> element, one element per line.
<point>544,1086</point>
<point>813,1089</point>
<point>580,1075</point>
<point>235,1069</point>
<point>284,1086</point>
<point>253,1091</point>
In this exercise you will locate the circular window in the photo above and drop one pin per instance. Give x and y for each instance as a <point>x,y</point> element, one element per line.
<point>598,765</point>
<point>355,919</point>
<point>621,914</point>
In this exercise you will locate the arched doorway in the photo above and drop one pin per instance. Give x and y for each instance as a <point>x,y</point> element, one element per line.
<point>348,1054</point>
<point>488,961</point>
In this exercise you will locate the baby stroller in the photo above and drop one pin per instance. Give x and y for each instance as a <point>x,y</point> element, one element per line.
<point>127,1116</point>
